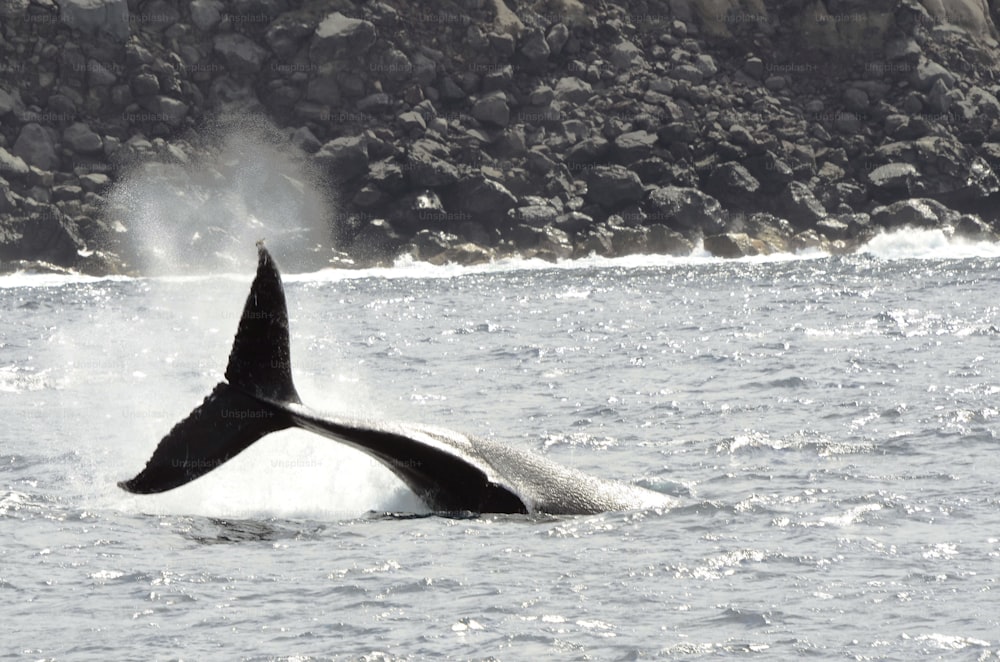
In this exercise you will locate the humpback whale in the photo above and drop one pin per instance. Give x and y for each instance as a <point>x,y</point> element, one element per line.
<point>449,471</point>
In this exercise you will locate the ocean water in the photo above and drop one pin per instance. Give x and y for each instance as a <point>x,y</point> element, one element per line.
<point>828,424</point>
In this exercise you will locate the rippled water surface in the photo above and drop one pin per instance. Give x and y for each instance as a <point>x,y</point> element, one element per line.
<point>828,424</point>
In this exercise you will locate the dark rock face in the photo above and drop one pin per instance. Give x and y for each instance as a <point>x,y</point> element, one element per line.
<point>555,133</point>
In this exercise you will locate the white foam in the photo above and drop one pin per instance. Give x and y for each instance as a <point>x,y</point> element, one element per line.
<point>924,244</point>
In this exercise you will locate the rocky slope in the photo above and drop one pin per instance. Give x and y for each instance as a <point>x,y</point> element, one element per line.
<point>463,130</point>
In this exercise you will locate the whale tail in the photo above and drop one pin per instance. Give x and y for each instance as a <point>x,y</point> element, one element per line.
<point>240,410</point>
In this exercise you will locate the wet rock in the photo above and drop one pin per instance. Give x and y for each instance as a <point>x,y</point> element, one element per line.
<point>376,243</point>
<point>972,227</point>
<point>915,212</point>
<point>731,245</point>
<point>466,254</point>
<point>45,234</point>
<point>661,240</point>
<point>685,208</point>
<point>613,187</point>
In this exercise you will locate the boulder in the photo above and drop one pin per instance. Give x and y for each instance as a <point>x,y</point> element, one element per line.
<point>661,240</point>
<point>492,109</point>
<point>345,158</point>
<point>798,204</point>
<point>731,245</point>
<point>241,54</point>
<point>685,208</point>
<point>732,185</point>
<point>94,17</point>
<point>634,146</point>
<point>79,138</point>
<point>35,145</point>
<point>915,212</point>
<point>206,14</point>
<point>11,166</point>
<point>337,36</point>
<point>613,187</point>
<point>573,90</point>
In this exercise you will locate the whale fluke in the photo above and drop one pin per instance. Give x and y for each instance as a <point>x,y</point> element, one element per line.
<point>448,470</point>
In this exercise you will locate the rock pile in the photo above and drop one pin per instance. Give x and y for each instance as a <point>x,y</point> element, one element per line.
<point>461,130</point>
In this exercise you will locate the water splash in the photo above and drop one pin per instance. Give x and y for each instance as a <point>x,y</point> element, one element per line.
<point>188,214</point>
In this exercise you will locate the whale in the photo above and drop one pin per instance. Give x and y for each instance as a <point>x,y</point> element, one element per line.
<point>449,471</point>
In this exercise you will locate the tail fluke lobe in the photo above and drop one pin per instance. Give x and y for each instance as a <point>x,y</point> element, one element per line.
<point>225,424</point>
<point>237,413</point>
<point>260,361</point>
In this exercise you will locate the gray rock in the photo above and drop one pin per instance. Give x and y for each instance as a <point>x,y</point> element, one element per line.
<point>206,14</point>
<point>557,37</point>
<point>338,35</point>
<point>412,121</point>
<point>798,204</point>
<point>79,138</point>
<point>573,90</point>
<point>241,54</point>
<point>11,166</point>
<point>613,187</point>
<point>96,17</point>
<point>634,146</point>
<point>94,182</point>
<point>754,67</point>
<point>732,184</point>
<point>893,176</point>
<point>481,196</point>
<point>345,158</point>
<point>927,72</point>
<point>492,109</point>
<point>731,245</point>
<point>98,75</point>
<point>855,99</point>
<point>661,240</point>
<point>286,34</point>
<point>7,102</point>
<point>535,216</point>
<point>35,145</point>
<point>915,212</point>
<point>145,84</point>
<point>535,50</point>
<point>770,170</point>
<point>429,166</point>
<point>172,111</point>
<point>625,55</point>
<point>44,234</point>
<point>685,208</point>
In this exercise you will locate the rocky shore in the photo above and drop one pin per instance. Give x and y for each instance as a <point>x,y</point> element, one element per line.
<point>468,130</point>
